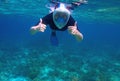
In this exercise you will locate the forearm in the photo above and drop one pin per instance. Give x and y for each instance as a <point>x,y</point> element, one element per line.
<point>78,35</point>
<point>75,32</point>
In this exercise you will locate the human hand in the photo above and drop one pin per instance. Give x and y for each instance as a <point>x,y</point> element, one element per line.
<point>72,29</point>
<point>41,26</point>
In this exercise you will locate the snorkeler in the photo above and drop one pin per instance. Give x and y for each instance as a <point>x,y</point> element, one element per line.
<point>59,20</point>
<point>69,6</point>
<point>80,2</point>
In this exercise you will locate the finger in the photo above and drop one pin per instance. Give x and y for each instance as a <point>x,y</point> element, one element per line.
<point>33,28</point>
<point>73,32</point>
<point>44,27</point>
<point>42,30</point>
<point>40,20</point>
<point>75,23</point>
<point>70,27</point>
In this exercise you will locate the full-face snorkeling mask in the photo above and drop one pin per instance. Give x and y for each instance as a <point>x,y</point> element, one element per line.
<point>61,16</point>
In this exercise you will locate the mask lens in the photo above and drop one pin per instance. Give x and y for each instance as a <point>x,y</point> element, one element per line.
<point>60,18</point>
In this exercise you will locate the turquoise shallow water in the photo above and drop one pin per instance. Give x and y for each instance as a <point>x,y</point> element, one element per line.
<point>26,57</point>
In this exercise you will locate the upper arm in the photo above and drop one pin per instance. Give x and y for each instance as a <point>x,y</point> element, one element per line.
<point>71,21</point>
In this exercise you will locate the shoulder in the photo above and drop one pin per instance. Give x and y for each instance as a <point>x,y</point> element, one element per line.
<point>47,19</point>
<point>71,21</point>
<point>49,15</point>
<point>71,18</point>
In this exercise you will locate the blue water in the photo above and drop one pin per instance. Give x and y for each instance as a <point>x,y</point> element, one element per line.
<point>26,57</point>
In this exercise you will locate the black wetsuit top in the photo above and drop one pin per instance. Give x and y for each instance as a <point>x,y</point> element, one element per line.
<point>48,20</point>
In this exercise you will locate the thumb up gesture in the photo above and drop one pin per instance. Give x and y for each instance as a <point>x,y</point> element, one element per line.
<point>72,29</point>
<point>40,27</point>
